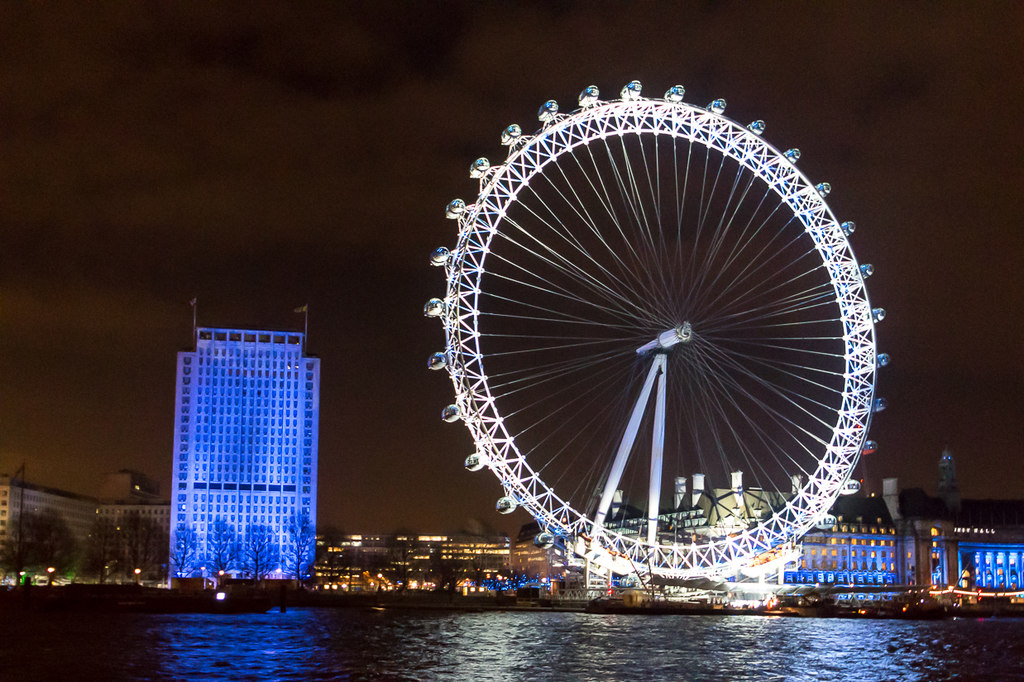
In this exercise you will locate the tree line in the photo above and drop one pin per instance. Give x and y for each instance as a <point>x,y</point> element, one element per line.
<point>132,547</point>
<point>254,554</point>
<point>115,548</point>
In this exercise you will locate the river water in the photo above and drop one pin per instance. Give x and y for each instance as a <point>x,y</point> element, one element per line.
<point>340,644</point>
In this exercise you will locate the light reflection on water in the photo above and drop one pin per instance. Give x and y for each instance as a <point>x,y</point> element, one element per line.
<point>325,644</point>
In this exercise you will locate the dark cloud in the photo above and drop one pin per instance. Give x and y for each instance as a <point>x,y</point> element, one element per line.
<point>261,157</point>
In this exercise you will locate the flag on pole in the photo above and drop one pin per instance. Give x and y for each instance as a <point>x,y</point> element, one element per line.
<point>304,309</point>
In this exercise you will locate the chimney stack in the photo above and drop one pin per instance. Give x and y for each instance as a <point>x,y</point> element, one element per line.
<point>680,490</point>
<point>737,487</point>
<point>891,495</point>
<point>698,489</point>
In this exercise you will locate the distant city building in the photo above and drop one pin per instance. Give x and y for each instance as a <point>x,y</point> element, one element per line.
<point>135,535</point>
<point>127,485</point>
<point>131,493</point>
<point>702,511</point>
<point>408,560</point>
<point>864,548</point>
<point>17,496</point>
<point>909,538</point>
<point>140,518</point>
<point>246,420</point>
<point>978,546</point>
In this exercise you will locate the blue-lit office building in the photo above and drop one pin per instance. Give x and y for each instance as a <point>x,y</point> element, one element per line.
<point>246,419</point>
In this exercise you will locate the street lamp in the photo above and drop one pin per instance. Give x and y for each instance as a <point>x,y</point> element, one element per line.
<point>137,572</point>
<point>50,571</point>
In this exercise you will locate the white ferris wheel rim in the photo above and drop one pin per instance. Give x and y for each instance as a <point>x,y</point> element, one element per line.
<point>478,223</point>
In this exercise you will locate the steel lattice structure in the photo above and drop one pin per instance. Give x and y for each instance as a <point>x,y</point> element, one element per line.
<point>654,122</point>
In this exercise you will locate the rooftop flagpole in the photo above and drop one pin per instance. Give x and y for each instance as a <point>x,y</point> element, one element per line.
<point>195,339</point>
<point>304,308</point>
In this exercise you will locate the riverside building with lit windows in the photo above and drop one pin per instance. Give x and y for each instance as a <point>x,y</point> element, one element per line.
<point>907,538</point>
<point>855,545</point>
<point>246,419</point>
<point>359,562</point>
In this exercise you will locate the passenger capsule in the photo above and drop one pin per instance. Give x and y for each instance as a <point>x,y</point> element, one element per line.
<point>548,111</point>
<point>826,522</point>
<point>823,188</point>
<point>479,168</point>
<point>878,314</point>
<point>869,448</point>
<point>451,413</point>
<point>433,308</point>
<point>439,257</point>
<point>544,540</point>
<point>793,155</point>
<point>867,270</point>
<point>848,227</point>
<point>437,361</point>
<point>631,91</point>
<point>717,106</point>
<point>883,359</point>
<point>756,127</point>
<point>506,505</point>
<point>476,462</point>
<point>511,134</point>
<point>851,487</point>
<point>879,404</point>
<point>675,94</point>
<point>454,209</point>
<point>588,97</point>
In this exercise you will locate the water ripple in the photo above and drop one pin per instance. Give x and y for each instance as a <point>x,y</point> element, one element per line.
<point>348,644</point>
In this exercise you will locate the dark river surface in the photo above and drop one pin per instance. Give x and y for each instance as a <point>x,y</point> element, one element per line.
<point>330,644</point>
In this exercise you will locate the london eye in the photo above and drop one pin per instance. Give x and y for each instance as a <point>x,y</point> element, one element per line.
<point>658,335</point>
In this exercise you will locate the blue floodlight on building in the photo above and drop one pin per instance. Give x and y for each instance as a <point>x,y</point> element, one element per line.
<point>246,420</point>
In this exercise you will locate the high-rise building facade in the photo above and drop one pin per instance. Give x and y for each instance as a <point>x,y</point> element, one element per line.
<point>246,419</point>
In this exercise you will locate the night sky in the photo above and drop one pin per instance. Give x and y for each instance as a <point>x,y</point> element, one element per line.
<point>261,158</point>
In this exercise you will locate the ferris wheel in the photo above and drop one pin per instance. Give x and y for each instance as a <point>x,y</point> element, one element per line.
<point>658,335</point>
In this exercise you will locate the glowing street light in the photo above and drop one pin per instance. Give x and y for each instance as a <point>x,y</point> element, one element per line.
<point>50,571</point>
<point>137,572</point>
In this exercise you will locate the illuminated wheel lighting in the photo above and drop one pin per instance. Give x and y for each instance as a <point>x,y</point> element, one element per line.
<point>644,293</point>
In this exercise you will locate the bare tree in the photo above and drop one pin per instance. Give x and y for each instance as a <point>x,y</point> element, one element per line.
<point>38,542</point>
<point>222,548</point>
<point>400,550</point>
<point>14,550</point>
<point>300,553</point>
<point>443,570</point>
<point>259,550</point>
<point>327,562</point>
<point>53,544</point>
<point>184,554</point>
<point>102,548</point>
<point>142,544</point>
